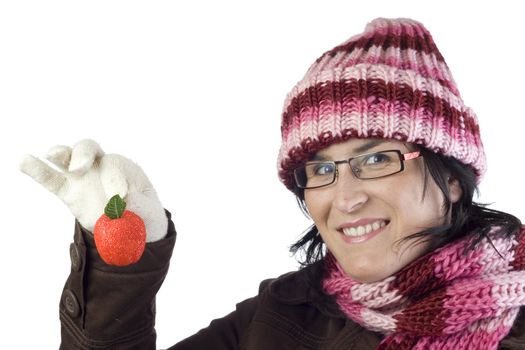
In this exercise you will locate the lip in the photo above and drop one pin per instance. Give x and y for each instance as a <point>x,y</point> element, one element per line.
<point>365,237</point>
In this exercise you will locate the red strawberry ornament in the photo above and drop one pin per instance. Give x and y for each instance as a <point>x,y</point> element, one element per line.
<point>120,235</point>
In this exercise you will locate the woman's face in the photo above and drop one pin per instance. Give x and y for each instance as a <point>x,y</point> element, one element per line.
<point>394,206</point>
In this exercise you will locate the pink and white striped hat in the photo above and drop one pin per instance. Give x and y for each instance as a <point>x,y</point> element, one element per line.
<point>389,82</point>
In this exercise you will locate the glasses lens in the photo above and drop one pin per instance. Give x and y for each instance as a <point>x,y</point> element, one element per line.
<point>315,174</point>
<point>370,166</point>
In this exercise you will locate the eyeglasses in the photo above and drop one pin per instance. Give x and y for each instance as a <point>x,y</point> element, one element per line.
<point>364,167</point>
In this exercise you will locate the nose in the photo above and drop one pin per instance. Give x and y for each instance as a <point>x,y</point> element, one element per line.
<point>349,191</point>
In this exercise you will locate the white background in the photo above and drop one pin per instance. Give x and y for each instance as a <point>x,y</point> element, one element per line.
<point>193,91</point>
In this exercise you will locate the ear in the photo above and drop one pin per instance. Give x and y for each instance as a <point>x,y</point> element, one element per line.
<point>454,190</point>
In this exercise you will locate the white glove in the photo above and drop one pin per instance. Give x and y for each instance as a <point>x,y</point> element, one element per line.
<point>88,178</point>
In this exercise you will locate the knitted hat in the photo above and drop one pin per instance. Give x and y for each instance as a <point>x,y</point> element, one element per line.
<point>390,82</point>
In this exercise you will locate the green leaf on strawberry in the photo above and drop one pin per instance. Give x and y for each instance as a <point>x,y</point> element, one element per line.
<point>115,207</point>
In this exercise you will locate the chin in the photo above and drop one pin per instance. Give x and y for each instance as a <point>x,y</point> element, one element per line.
<point>368,279</point>
<point>364,275</point>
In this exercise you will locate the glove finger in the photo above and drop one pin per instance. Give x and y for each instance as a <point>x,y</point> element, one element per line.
<point>42,173</point>
<point>60,156</point>
<point>83,156</point>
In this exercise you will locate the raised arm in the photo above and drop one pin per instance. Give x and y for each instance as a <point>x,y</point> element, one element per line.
<point>103,306</point>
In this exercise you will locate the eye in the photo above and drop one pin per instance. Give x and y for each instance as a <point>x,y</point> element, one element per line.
<point>377,159</point>
<point>321,169</point>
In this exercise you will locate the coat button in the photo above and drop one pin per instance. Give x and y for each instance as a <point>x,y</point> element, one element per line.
<point>71,303</point>
<point>76,258</point>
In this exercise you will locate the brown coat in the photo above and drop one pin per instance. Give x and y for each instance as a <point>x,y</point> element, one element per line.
<point>105,307</point>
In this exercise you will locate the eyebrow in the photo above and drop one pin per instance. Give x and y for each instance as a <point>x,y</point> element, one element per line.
<point>361,149</point>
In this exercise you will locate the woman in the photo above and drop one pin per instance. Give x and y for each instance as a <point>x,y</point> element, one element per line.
<point>383,155</point>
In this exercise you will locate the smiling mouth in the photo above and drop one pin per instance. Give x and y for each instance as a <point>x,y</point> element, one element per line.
<point>359,231</point>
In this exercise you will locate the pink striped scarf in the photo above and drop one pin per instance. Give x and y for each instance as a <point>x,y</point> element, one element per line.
<point>443,300</point>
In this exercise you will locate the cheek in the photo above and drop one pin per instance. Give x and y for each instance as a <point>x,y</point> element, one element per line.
<point>318,206</point>
<point>434,204</point>
<point>418,209</point>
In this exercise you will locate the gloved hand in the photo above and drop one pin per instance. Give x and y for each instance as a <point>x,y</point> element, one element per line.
<point>88,178</point>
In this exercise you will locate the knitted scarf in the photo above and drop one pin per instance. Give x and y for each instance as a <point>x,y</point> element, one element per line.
<point>444,300</point>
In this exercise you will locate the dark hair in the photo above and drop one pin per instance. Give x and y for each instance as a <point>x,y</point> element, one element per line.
<point>467,216</point>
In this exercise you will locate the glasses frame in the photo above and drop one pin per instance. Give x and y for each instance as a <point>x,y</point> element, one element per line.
<point>402,158</point>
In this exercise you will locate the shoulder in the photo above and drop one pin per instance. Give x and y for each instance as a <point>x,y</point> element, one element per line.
<point>292,287</point>
<point>293,309</point>
<point>300,287</point>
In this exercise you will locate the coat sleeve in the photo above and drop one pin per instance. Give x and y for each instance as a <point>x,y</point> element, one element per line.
<point>110,307</point>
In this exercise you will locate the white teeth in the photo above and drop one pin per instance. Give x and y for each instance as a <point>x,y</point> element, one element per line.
<point>361,230</point>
